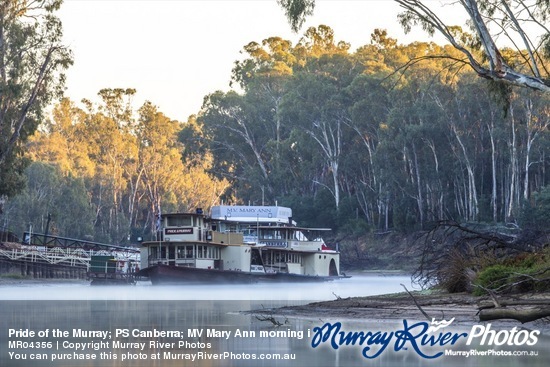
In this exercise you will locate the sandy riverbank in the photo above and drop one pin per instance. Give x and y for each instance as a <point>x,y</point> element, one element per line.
<point>392,307</point>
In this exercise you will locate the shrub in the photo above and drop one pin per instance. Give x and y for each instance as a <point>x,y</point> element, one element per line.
<point>493,277</point>
<point>454,277</point>
<point>524,273</point>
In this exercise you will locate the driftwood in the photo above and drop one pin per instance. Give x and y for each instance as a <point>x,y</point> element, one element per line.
<point>270,319</point>
<point>416,303</point>
<point>522,310</point>
<point>523,316</point>
<point>524,302</point>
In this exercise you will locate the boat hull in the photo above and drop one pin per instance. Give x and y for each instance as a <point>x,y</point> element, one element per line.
<point>98,278</point>
<point>167,274</point>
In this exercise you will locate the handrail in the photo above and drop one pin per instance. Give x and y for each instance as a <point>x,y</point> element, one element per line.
<point>38,239</point>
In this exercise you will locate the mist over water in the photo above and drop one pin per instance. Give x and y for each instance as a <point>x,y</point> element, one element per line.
<point>70,306</point>
<point>317,291</point>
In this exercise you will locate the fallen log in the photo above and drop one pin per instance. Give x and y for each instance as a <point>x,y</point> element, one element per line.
<point>523,302</point>
<point>523,316</point>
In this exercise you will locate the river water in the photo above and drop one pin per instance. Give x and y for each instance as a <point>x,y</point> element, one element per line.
<point>74,324</point>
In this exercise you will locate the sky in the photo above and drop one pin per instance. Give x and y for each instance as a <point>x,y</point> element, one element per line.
<point>175,52</point>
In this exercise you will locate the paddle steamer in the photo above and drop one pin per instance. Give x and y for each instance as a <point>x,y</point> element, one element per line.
<point>237,244</point>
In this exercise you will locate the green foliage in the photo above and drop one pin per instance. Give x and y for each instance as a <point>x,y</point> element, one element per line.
<point>313,211</point>
<point>493,277</point>
<point>350,140</point>
<point>536,213</point>
<point>12,180</point>
<point>522,273</point>
<point>33,60</point>
<point>103,173</point>
<point>296,11</point>
<point>393,147</point>
<point>48,193</point>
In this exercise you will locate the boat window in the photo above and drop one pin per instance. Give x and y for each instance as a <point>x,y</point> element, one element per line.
<point>153,252</point>
<point>201,252</point>
<point>180,221</point>
<point>189,252</point>
<point>294,258</point>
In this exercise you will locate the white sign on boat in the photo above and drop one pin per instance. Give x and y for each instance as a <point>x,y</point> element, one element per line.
<point>251,213</point>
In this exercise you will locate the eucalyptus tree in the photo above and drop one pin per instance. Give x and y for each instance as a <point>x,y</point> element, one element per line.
<point>412,164</point>
<point>63,141</point>
<point>32,61</point>
<point>113,149</point>
<point>315,107</point>
<point>489,19</point>
<point>243,132</point>
<point>528,121</point>
<point>509,19</point>
<point>265,72</point>
<point>398,122</point>
<point>316,42</point>
<point>121,164</point>
<point>164,180</point>
<point>50,199</point>
<point>235,130</point>
<point>263,76</point>
<point>535,109</point>
<point>369,101</point>
<point>488,119</point>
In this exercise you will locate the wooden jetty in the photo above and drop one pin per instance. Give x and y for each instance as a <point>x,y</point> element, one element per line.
<point>47,256</point>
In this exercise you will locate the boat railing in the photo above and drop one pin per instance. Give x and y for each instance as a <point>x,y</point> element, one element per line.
<point>273,243</point>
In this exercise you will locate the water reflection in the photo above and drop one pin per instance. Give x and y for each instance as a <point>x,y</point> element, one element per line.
<point>69,307</point>
<point>181,315</point>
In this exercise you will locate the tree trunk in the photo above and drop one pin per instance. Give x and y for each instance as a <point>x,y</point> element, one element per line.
<point>472,204</point>
<point>522,316</point>
<point>513,169</point>
<point>491,129</point>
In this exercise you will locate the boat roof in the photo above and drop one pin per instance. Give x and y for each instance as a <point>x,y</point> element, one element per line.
<point>163,215</point>
<point>294,228</point>
<point>248,213</point>
<point>252,215</point>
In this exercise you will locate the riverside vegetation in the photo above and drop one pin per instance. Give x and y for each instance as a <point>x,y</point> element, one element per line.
<point>469,271</point>
<point>401,145</point>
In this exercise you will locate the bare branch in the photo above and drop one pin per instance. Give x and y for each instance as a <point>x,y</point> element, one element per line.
<point>270,319</point>
<point>417,305</point>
